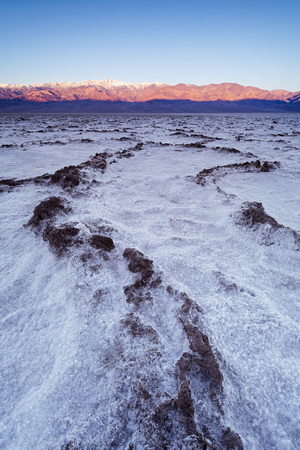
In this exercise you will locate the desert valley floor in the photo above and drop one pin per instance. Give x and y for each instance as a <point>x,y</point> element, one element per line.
<point>150,281</point>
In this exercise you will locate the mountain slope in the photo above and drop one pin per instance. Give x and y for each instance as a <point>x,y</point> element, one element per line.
<point>14,97</point>
<point>111,90</point>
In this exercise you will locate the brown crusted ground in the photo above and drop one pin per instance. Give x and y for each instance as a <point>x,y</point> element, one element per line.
<point>60,239</point>
<point>199,343</point>
<point>98,161</point>
<point>9,182</point>
<point>228,150</point>
<point>187,305</point>
<point>102,242</point>
<point>46,210</point>
<point>248,166</point>
<point>139,264</point>
<point>138,329</point>
<point>174,420</point>
<point>138,292</point>
<point>195,145</point>
<point>67,177</point>
<point>253,214</point>
<point>232,440</point>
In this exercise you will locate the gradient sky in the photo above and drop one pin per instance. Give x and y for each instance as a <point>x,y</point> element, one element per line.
<point>253,43</point>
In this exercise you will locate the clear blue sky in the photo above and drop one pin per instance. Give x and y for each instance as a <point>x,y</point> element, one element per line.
<point>253,43</point>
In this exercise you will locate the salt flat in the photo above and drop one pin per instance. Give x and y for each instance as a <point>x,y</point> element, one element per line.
<point>191,339</point>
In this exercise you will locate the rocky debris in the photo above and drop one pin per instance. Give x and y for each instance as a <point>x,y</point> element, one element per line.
<point>185,405</point>
<point>67,177</point>
<point>60,239</point>
<point>163,144</point>
<point>46,210</point>
<point>248,166</point>
<point>268,167</point>
<point>253,214</point>
<point>102,242</point>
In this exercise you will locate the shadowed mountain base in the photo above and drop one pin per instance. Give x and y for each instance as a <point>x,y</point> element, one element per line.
<point>151,106</point>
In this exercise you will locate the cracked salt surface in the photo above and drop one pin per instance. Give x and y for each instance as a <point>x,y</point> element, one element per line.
<point>88,363</point>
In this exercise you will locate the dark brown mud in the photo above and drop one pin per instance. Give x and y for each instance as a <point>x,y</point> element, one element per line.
<point>102,242</point>
<point>139,264</point>
<point>46,210</point>
<point>62,238</point>
<point>247,167</point>
<point>67,177</point>
<point>253,214</point>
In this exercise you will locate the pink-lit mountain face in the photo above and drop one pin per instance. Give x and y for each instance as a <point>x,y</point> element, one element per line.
<point>116,91</point>
<point>116,96</point>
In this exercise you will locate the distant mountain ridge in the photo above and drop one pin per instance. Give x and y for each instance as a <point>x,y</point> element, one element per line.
<point>117,91</point>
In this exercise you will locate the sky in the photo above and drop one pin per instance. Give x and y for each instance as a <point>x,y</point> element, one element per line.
<point>253,43</point>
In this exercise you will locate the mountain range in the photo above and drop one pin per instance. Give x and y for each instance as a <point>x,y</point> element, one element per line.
<point>117,96</point>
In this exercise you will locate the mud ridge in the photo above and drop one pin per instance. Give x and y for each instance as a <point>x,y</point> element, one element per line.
<point>173,421</point>
<point>228,150</point>
<point>195,145</point>
<point>46,210</point>
<point>139,292</point>
<point>137,329</point>
<point>60,239</point>
<point>6,184</point>
<point>247,167</point>
<point>252,216</point>
<point>205,138</point>
<point>67,178</point>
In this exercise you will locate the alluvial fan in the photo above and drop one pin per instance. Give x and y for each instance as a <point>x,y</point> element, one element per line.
<point>149,281</point>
